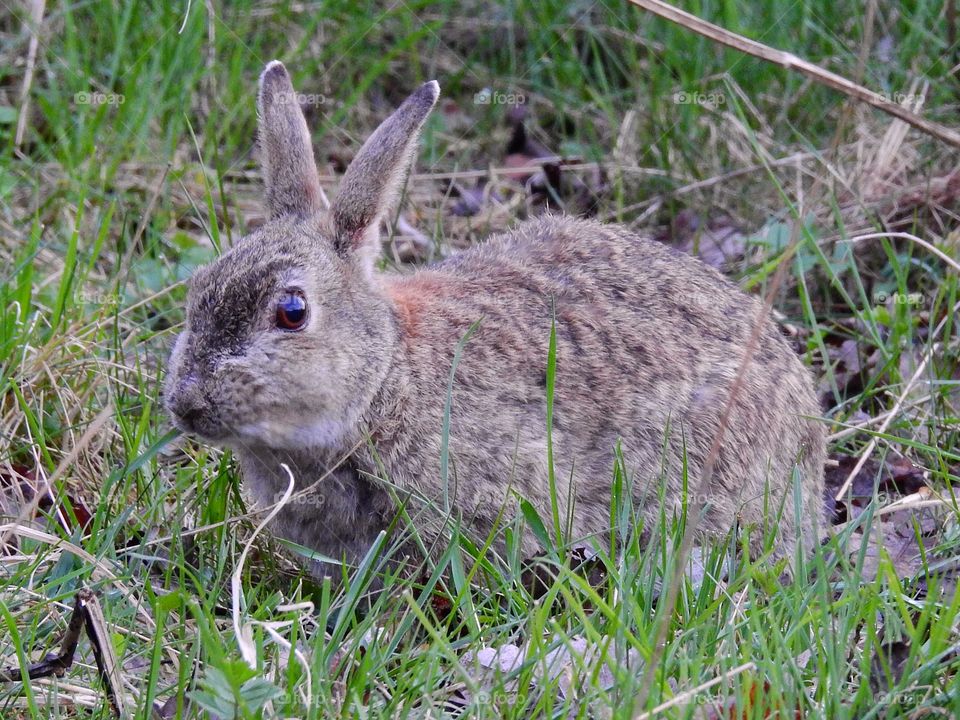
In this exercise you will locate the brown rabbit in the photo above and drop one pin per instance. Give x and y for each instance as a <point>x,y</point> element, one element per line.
<point>298,350</point>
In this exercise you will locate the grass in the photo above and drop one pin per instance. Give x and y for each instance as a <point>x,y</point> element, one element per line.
<point>107,205</point>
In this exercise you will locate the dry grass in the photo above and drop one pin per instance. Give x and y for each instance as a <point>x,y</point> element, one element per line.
<point>104,210</point>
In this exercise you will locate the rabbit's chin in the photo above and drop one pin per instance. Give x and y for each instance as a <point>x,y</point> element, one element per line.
<point>291,434</point>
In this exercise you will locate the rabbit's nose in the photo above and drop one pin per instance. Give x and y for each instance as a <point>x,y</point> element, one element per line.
<point>188,404</point>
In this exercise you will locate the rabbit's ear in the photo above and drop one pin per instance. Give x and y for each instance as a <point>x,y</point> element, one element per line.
<point>286,154</point>
<point>377,173</point>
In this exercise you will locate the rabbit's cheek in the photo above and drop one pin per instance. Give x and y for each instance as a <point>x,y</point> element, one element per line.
<point>319,434</point>
<point>291,433</point>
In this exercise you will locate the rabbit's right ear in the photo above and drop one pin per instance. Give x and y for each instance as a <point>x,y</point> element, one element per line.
<point>286,153</point>
<point>376,176</point>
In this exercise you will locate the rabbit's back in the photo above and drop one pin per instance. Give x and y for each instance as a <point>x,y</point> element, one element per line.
<point>649,342</point>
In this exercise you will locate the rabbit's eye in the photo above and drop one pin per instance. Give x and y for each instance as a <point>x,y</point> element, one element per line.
<point>292,311</point>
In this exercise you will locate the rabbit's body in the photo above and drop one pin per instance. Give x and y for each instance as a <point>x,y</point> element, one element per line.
<point>649,343</point>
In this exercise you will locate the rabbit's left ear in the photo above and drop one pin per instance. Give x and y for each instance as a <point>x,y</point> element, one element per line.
<point>376,175</point>
<point>286,153</point>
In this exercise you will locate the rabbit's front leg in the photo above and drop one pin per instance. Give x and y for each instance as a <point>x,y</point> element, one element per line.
<point>337,513</point>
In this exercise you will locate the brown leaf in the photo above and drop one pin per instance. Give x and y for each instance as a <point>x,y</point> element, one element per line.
<point>882,539</point>
<point>745,711</point>
<point>896,478</point>
<point>19,486</point>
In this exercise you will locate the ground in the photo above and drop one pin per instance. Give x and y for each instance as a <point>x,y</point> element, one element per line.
<point>129,158</point>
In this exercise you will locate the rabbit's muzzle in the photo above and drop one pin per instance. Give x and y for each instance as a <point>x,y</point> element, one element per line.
<point>190,409</point>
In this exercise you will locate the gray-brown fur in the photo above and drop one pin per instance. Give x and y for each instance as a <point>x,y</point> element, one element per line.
<point>649,341</point>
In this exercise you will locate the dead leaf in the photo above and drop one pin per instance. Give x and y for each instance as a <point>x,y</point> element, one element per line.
<point>747,707</point>
<point>19,486</point>
<point>883,539</point>
<point>896,478</point>
<point>574,667</point>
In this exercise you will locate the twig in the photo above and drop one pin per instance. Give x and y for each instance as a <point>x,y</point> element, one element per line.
<point>790,61</point>
<point>854,428</point>
<point>36,19</point>
<point>885,424</point>
<point>923,498</point>
<point>53,664</point>
<point>953,264</point>
<point>88,616</point>
<point>685,697</point>
<point>107,666</point>
<point>900,401</point>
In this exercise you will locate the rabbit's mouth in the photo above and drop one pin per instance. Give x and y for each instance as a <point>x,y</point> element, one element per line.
<point>203,427</point>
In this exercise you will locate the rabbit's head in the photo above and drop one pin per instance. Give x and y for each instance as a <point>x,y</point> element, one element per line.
<point>287,335</point>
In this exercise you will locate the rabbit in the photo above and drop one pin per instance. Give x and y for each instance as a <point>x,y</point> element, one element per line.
<point>298,350</point>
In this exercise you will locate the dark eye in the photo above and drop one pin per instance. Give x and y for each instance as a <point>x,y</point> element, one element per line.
<point>292,311</point>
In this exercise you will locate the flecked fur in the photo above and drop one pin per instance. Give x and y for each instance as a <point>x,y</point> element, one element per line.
<point>649,341</point>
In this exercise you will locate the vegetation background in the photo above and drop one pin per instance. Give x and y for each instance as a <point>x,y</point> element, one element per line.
<point>127,158</point>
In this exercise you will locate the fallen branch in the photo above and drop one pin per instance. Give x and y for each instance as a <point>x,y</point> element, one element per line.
<point>87,616</point>
<point>874,441</point>
<point>37,8</point>
<point>790,61</point>
<point>53,664</point>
